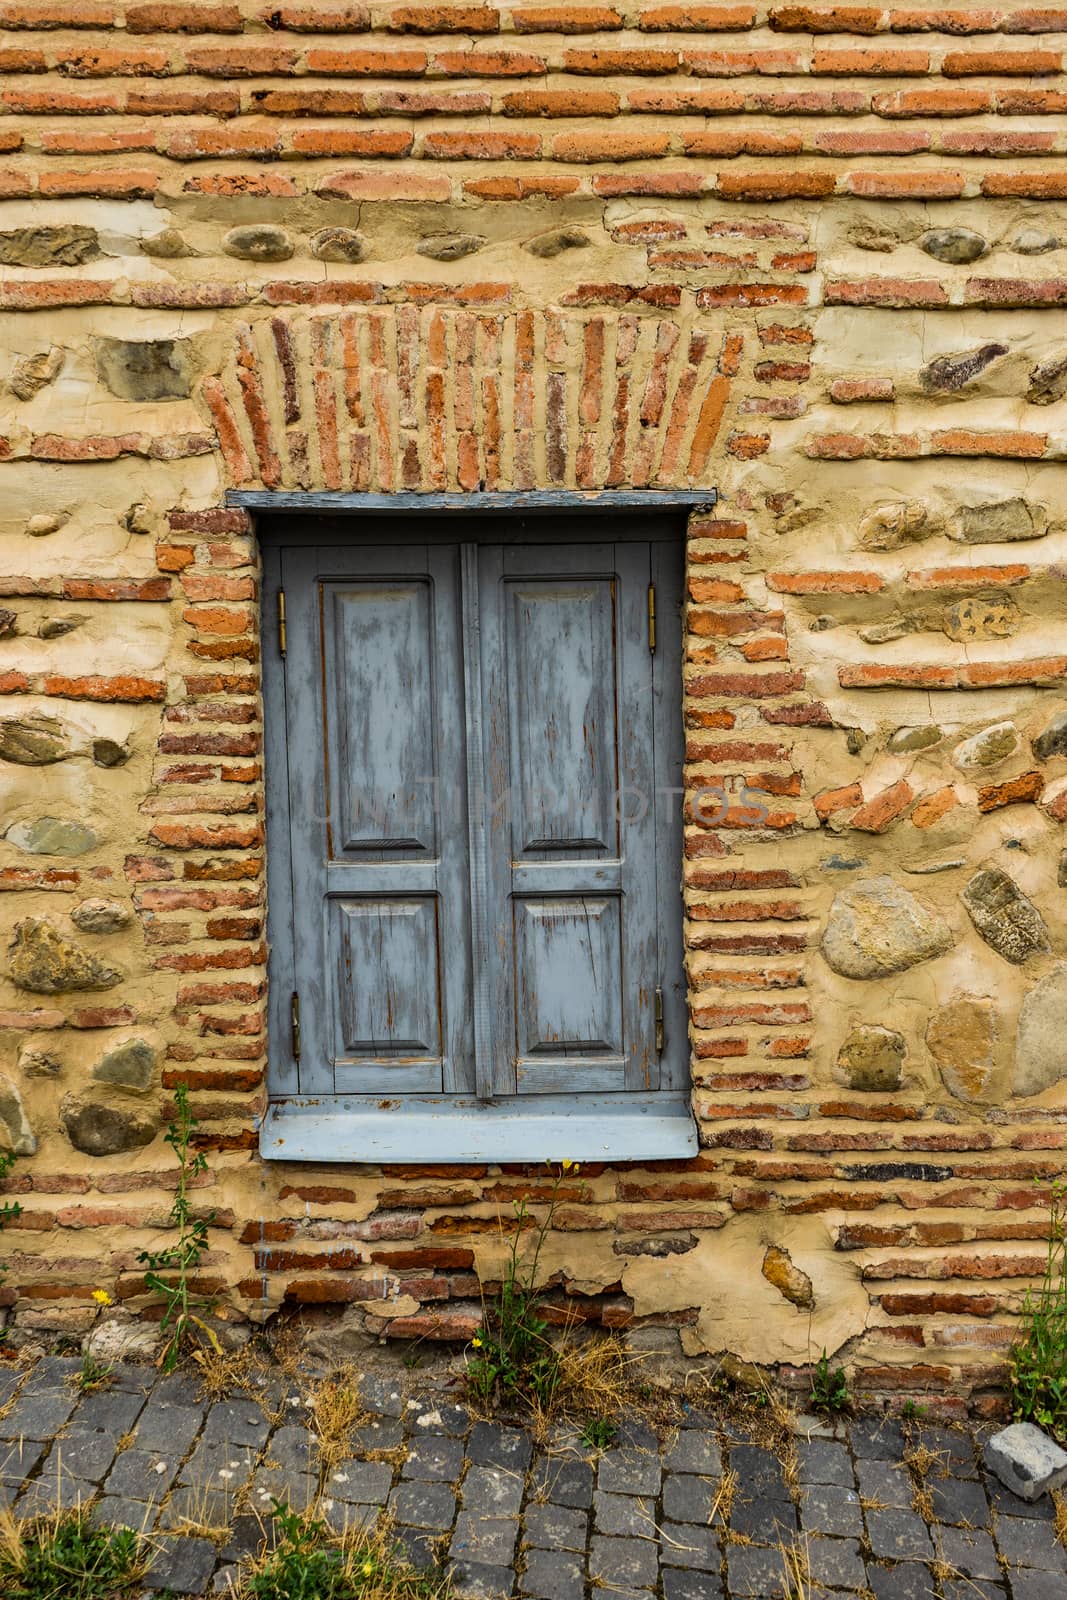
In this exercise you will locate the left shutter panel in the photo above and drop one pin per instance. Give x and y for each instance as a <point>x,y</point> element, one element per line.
<point>378,807</point>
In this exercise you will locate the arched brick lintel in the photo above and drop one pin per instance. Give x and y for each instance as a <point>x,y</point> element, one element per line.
<point>427,399</point>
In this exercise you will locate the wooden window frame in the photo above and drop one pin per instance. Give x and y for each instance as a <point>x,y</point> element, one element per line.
<point>372,1128</point>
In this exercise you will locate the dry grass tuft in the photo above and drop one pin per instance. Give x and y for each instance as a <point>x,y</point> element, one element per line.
<point>337,1407</point>
<point>356,1563</point>
<point>796,1570</point>
<point>1059,1502</point>
<point>725,1495</point>
<point>597,1377</point>
<point>919,1462</point>
<point>224,1373</point>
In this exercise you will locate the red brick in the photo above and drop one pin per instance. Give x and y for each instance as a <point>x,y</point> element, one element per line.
<point>488,64</point>
<point>774,185</point>
<point>431,18</point>
<point>1032,186</point>
<point>319,18</point>
<point>906,185</point>
<point>849,391</point>
<point>885,292</point>
<point>883,809</point>
<point>998,63</point>
<point>565,19</point>
<point>123,688</point>
<point>482,146</point>
<point>560,103</point>
<point>1027,786</point>
<point>825,582</point>
<point>933,807</point>
<point>169,18</point>
<point>609,62</point>
<point>696,18</point>
<point>830,801</point>
<point>609,146</point>
<point>826,19</point>
<point>362,185</point>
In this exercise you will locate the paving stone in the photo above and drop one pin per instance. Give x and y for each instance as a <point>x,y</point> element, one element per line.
<point>165,1426</point>
<point>685,1544</point>
<point>381,1394</point>
<point>827,1508</point>
<point>86,1455</point>
<point>549,1527</point>
<point>365,1482</point>
<point>250,1537</point>
<point>179,1389</point>
<point>129,1375</point>
<point>906,1580</point>
<point>687,1498</point>
<point>434,1456</point>
<point>416,1547</point>
<point>753,1570</point>
<point>18,1458</point>
<point>763,1521</point>
<point>877,1439</point>
<point>219,1465</point>
<point>239,1422</point>
<point>899,1535</point>
<point>629,1472</point>
<point>680,1585</point>
<point>9,1383</point>
<point>37,1414</point>
<point>477,1582</point>
<point>141,1475</point>
<point>293,1448</point>
<point>1036,1586</point>
<point>1027,1542</point>
<point>564,1483</point>
<point>837,1563</point>
<point>622,1563</point>
<point>61,1492</point>
<point>969,1550</point>
<point>492,1491</point>
<point>423,1505</point>
<point>184,1565</point>
<point>385,1435</point>
<point>953,1448</point>
<point>1007,1504</point>
<point>633,1435</point>
<point>435,1418</point>
<point>551,1575</point>
<point>969,1589</point>
<point>490,1445</point>
<point>885,1483</point>
<point>113,1511</point>
<point>959,1500</point>
<point>344,1516</point>
<point>823,1461</point>
<point>694,1450</point>
<point>488,1541</point>
<point>111,1411</point>
<point>53,1372</point>
<point>199,1507</point>
<point>624,1514</point>
<point>297,1490</point>
<point>759,1470</point>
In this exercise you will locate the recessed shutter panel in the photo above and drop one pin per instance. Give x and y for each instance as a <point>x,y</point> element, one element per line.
<point>571,795</point>
<point>378,815</point>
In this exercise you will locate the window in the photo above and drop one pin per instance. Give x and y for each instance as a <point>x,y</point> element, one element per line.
<point>474,834</point>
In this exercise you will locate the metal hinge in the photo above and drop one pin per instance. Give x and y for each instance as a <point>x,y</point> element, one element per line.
<point>659,1022</point>
<point>281,622</point>
<point>652,618</point>
<point>294,1025</point>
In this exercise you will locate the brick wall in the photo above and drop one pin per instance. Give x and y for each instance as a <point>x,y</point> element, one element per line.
<point>814,257</point>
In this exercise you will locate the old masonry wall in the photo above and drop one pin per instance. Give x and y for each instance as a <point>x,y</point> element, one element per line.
<point>813,256</point>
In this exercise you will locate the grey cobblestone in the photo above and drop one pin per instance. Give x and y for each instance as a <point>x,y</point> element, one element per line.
<point>564,1524</point>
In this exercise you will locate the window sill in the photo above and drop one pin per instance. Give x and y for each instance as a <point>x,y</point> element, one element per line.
<point>459,1130</point>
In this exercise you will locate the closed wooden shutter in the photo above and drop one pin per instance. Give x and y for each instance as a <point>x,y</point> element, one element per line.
<point>482,811</point>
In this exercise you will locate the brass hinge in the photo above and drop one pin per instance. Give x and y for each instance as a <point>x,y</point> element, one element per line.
<point>652,618</point>
<point>659,1022</point>
<point>281,622</point>
<point>294,1025</point>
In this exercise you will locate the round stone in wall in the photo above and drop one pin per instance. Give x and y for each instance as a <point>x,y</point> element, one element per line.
<point>339,244</point>
<point>258,242</point>
<point>961,1036</point>
<point>1041,1040</point>
<point>100,916</point>
<point>871,1058</point>
<point>986,748</point>
<point>100,1130</point>
<point>956,246</point>
<point>21,1138</point>
<point>1006,918</point>
<point>129,1066</point>
<point>876,927</point>
<point>45,961</point>
<point>33,741</point>
<point>1052,740</point>
<point>52,836</point>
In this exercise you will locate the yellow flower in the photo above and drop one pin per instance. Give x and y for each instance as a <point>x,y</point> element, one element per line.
<point>367,1568</point>
<point>101,1297</point>
<point>476,1342</point>
<point>566,1164</point>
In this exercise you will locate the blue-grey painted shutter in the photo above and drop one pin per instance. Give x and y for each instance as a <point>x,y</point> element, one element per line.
<point>374,690</point>
<point>570,786</point>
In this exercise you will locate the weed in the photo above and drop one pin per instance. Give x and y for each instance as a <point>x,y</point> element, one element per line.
<point>912,1411</point>
<point>9,1210</point>
<point>181,1259</point>
<point>919,1461</point>
<point>599,1432</point>
<point>336,1407</point>
<point>308,1563</point>
<point>93,1375</point>
<point>1038,1362</point>
<point>66,1558</point>
<point>829,1388</point>
<point>514,1358</point>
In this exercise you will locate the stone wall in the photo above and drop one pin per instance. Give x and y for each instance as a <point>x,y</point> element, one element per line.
<point>813,257</point>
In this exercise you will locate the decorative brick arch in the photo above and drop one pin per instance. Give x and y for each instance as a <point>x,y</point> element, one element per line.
<point>422,398</point>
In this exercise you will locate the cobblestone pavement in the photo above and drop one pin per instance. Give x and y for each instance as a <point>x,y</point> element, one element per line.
<point>642,1519</point>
